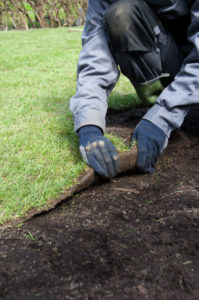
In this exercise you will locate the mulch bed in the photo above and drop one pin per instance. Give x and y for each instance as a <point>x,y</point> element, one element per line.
<point>135,237</point>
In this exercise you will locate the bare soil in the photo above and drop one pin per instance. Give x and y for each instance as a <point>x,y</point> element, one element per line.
<point>135,237</point>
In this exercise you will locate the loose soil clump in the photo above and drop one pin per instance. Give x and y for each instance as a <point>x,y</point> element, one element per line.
<point>135,237</point>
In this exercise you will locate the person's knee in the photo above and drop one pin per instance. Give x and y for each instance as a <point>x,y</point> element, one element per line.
<point>118,17</point>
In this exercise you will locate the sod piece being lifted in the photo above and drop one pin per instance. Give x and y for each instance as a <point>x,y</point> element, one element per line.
<point>127,162</point>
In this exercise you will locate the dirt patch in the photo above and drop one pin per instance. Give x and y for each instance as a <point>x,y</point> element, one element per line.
<point>136,237</point>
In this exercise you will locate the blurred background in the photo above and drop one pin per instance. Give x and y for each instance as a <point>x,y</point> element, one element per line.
<point>28,14</point>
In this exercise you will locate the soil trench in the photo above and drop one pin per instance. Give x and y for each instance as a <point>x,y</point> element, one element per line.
<point>135,237</point>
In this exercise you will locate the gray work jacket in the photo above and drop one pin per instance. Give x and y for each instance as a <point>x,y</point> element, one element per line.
<point>97,71</point>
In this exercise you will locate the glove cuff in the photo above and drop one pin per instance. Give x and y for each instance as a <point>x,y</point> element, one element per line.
<point>86,132</point>
<point>154,126</point>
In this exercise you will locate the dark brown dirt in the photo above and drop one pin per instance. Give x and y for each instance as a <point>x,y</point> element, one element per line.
<point>136,237</point>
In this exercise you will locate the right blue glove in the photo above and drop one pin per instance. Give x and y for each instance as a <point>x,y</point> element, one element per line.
<point>151,142</point>
<point>98,152</point>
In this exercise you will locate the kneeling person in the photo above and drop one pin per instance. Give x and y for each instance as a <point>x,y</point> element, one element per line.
<point>149,41</point>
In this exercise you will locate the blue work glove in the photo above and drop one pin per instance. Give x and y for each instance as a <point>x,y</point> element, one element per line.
<point>151,142</point>
<point>98,152</point>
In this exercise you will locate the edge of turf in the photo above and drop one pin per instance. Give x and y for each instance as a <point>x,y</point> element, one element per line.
<point>85,180</point>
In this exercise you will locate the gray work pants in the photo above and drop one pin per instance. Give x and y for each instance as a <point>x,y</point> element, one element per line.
<point>141,45</point>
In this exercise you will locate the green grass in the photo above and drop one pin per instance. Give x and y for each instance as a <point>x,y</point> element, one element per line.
<point>39,155</point>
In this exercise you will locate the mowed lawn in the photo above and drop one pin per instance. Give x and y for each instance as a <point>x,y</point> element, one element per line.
<point>39,157</point>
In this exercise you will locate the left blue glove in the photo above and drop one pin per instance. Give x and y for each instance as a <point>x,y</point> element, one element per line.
<point>151,141</point>
<point>98,151</point>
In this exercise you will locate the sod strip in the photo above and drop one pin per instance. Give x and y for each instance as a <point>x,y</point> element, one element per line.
<point>39,151</point>
<point>127,163</point>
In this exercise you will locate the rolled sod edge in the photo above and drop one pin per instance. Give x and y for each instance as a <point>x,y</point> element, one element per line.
<point>127,162</point>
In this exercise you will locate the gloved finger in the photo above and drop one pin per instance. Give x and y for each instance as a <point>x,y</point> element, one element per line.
<point>148,168</point>
<point>107,157</point>
<point>88,153</point>
<point>142,157</point>
<point>152,157</point>
<point>94,163</point>
<point>113,167</point>
<point>83,153</point>
<point>115,159</point>
<point>145,159</point>
<point>99,157</point>
<point>102,156</point>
